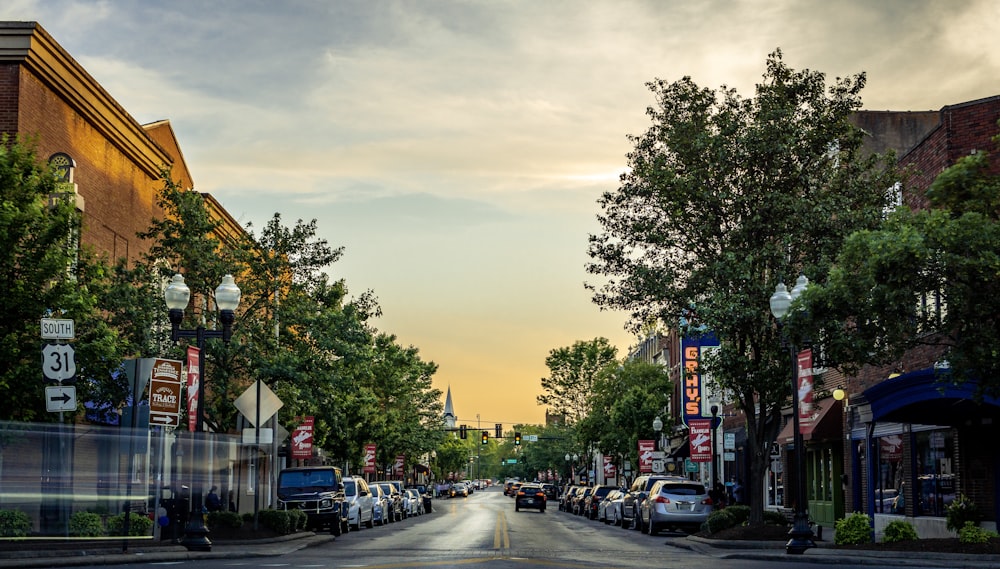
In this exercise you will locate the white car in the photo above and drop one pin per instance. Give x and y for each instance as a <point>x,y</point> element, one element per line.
<point>413,502</point>
<point>361,502</point>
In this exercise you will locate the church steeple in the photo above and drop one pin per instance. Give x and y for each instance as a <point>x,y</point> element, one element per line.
<point>449,412</point>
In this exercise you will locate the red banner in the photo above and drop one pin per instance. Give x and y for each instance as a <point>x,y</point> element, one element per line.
<point>369,458</point>
<point>646,449</point>
<point>700,437</point>
<point>397,467</point>
<point>302,439</point>
<point>194,379</point>
<point>610,471</point>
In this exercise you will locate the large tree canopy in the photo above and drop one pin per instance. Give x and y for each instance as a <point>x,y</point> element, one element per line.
<point>927,277</point>
<point>572,373</point>
<point>726,196</point>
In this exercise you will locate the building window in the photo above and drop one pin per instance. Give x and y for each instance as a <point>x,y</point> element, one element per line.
<point>889,481</point>
<point>935,478</point>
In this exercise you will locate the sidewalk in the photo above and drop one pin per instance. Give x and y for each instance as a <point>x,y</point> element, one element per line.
<point>826,553</point>
<point>110,552</point>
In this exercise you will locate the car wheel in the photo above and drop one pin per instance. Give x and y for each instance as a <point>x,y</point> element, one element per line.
<point>651,528</point>
<point>345,527</point>
<point>517,508</point>
<point>371,521</point>
<point>637,523</point>
<point>336,528</point>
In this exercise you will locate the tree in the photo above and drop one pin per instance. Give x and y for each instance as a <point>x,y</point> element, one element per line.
<point>926,277</point>
<point>624,401</point>
<point>572,373</point>
<point>42,275</point>
<point>724,197</point>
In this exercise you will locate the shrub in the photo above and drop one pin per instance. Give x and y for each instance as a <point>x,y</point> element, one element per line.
<point>14,523</point>
<point>281,522</point>
<point>719,520</point>
<point>960,512</point>
<point>86,524</point>
<point>299,520</point>
<point>899,530</point>
<point>138,525</point>
<point>224,519</point>
<point>774,518</point>
<point>740,513</point>
<point>855,529</point>
<point>971,533</point>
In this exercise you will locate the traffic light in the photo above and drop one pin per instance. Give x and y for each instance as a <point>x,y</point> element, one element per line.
<point>517,438</point>
<point>486,437</point>
<point>499,431</point>
<point>461,431</point>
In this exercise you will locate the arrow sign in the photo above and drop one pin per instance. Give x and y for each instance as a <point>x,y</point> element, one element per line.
<point>60,398</point>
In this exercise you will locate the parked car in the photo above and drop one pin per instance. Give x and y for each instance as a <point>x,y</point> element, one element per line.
<point>317,491</point>
<point>427,494</point>
<point>580,498</point>
<point>678,504</point>
<point>565,499</point>
<point>591,502</point>
<point>395,500</point>
<point>609,509</point>
<point>530,496</point>
<point>360,502</point>
<point>636,495</point>
<point>382,507</point>
<point>413,502</point>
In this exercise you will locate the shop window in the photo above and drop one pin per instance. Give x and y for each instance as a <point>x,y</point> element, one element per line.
<point>935,478</point>
<point>889,482</point>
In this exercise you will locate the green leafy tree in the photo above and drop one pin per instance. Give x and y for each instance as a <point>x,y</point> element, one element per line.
<point>726,196</point>
<point>44,276</point>
<point>927,277</point>
<point>572,373</point>
<point>624,401</point>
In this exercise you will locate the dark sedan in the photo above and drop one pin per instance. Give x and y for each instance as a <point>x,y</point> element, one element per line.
<point>530,496</point>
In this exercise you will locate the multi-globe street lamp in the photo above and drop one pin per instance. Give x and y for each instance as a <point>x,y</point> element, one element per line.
<point>801,535</point>
<point>227,300</point>
<point>714,409</point>
<point>571,459</point>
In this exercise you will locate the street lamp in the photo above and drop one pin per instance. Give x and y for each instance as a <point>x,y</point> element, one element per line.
<point>657,427</point>
<point>714,409</point>
<point>571,460</point>
<point>800,536</point>
<point>227,299</point>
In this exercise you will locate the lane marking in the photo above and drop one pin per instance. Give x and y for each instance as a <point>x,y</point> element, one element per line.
<point>501,534</point>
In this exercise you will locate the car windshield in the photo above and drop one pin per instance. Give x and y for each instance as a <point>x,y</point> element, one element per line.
<point>350,488</point>
<point>307,480</point>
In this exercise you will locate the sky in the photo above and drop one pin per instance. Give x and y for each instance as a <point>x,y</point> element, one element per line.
<point>457,149</point>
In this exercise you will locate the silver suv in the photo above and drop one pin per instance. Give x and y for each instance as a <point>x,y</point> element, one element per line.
<point>675,503</point>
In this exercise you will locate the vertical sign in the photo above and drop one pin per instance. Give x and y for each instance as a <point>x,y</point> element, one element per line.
<point>694,396</point>
<point>805,386</point>
<point>369,458</point>
<point>700,437</point>
<point>302,439</point>
<point>610,471</point>
<point>397,467</point>
<point>194,379</point>
<point>165,393</point>
<point>646,455</point>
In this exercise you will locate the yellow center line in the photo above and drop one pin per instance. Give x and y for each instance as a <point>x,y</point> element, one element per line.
<point>501,535</point>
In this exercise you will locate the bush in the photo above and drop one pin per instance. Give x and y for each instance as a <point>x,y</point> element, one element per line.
<point>774,518</point>
<point>899,530</point>
<point>855,529</point>
<point>282,522</point>
<point>224,520</point>
<point>299,520</point>
<point>961,512</point>
<point>719,520</point>
<point>86,524</point>
<point>138,525</point>
<point>740,513</point>
<point>971,533</point>
<point>14,523</point>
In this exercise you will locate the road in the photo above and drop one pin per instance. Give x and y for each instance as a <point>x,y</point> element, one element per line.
<point>482,531</point>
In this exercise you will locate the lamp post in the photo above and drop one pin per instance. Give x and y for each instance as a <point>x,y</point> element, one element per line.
<point>657,427</point>
<point>714,409</point>
<point>801,535</point>
<point>227,299</point>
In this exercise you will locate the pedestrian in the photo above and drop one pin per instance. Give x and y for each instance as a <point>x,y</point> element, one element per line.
<point>738,491</point>
<point>212,502</point>
<point>718,496</point>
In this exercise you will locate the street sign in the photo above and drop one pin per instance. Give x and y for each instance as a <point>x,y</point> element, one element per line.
<point>60,398</point>
<point>657,465</point>
<point>57,329</point>
<point>164,392</point>
<point>729,441</point>
<point>247,403</point>
<point>729,456</point>
<point>58,362</point>
<point>531,438</point>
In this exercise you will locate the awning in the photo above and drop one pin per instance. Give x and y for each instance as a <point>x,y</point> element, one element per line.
<point>827,423</point>
<point>682,451</point>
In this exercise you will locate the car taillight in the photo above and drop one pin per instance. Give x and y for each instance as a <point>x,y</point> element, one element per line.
<point>707,501</point>
<point>662,500</point>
